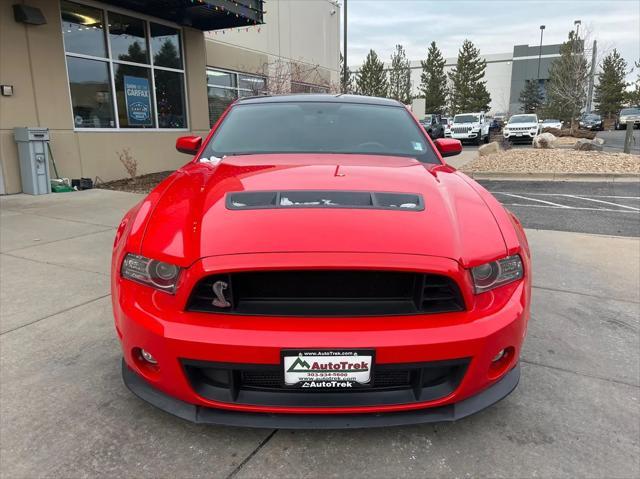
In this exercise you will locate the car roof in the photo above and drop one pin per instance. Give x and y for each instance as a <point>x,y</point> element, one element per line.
<point>321,97</point>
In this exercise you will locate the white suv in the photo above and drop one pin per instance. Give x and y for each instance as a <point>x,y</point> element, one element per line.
<point>521,127</point>
<point>469,126</point>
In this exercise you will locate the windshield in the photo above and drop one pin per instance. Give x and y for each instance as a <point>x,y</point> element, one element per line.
<point>630,111</point>
<point>592,117</point>
<point>466,118</point>
<point>551,121</point>
<point>523,119</point>
<point>320,127</point>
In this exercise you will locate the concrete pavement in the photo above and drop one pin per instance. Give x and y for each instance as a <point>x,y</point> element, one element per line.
<point>64,411</point>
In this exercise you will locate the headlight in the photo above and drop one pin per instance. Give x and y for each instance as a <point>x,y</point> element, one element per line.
<point>497,273</point>
<point>157,274</point>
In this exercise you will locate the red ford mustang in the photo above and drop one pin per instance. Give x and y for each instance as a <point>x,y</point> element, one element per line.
<point>318,265</point>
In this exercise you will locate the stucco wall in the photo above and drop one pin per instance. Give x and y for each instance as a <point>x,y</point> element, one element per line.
<point>32,60</point>
<point>306,32</point>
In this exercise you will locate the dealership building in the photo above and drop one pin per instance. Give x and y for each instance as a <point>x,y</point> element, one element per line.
<point>133,75</point>
<point>506,75</point>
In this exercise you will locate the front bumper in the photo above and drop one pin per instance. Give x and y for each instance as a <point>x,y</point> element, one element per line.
<point>157,322</point>
<point>206,415</point>
<point>521,135</point>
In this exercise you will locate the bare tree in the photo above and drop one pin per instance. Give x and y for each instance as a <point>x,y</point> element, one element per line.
<point>282,76</point>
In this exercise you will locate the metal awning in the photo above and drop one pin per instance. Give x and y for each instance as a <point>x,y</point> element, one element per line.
<point>201,14</point>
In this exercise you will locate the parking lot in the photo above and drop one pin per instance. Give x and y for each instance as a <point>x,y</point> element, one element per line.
<point>64,411</point>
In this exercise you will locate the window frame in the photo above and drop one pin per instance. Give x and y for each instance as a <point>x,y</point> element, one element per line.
<point>147,19</point>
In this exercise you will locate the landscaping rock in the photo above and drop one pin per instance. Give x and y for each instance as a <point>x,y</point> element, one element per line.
<point>544,141</point>
<point>587,145</point>
<point>489,148</point>
<point>599,141</point>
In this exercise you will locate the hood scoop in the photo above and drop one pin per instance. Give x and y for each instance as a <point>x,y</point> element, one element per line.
<point>252,200</point>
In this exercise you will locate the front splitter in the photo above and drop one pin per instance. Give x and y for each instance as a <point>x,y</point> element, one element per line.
<point>205,415</point>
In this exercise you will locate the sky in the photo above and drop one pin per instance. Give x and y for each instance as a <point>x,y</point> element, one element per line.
<point>494,26</point>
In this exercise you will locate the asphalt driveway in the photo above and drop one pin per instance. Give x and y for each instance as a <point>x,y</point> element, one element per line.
<point>64,411</point>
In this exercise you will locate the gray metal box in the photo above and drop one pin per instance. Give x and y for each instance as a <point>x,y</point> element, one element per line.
<point>33,154</point>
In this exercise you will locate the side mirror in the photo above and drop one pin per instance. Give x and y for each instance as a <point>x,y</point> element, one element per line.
<point>188,144</point>
<point>448,147</point>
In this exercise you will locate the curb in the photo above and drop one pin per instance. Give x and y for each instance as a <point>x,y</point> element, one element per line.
<point>607,178</point>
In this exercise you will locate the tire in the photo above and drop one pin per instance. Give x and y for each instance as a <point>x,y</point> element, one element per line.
<point>486,138</point>
<point>479,139</point>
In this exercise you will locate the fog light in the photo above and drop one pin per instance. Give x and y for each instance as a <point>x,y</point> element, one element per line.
<point>497,357</point>
<point>148,357</point>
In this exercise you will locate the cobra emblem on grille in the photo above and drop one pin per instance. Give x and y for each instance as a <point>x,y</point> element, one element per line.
<point>218,289</point>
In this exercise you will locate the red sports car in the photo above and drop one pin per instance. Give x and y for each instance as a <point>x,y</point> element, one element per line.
<point>318,265</point>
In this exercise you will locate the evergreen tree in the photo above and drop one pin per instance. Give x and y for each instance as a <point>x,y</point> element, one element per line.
<point>372,80</point>
<point>568,80</point>
<point>345,87</point>
<point>433,81</point>
<point>530,97</point>
<point>610,90</point>
<point>400,76</point>
<point>632,97</point>
<point>469,92</point>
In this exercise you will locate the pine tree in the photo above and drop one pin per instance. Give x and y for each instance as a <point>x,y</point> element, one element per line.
<point>530,97</point>
<point>610,90</point>
<point>469,92</point>
<point>400,76</point>
<point>632,97</point>
<point>345,86</point>
<point>372,80</point>
<point>433,81</point>
<point>568,80</point>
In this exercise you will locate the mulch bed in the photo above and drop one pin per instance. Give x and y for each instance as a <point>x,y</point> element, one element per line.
<point>141,184</point>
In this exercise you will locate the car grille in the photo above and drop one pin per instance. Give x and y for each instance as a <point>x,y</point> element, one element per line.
<point>520,128</point>
<point>326,293</point>
<point>461,129</point>
<point>264,384</point>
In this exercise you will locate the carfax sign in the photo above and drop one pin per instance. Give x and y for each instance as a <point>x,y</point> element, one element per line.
<point>138,101</point>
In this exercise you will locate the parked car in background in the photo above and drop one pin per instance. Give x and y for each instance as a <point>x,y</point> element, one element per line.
<point>495,126</point>
<point>432,123</point>
<point>626,116</point>
<point>591,121</point>
<point>521,127</point>
<point>446,124</point>
<point>551,123</point>
<point>470,126</point>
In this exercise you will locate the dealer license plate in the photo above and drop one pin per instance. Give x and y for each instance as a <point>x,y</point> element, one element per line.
<point>518,134</point>
<point>327,369</point>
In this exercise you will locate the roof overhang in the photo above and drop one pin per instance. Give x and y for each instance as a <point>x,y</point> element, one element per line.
<point>200,14</point>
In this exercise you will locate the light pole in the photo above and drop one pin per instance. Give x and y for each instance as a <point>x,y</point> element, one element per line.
<point>344,55</point>
<point>577,25</point>
<point>542,27</point>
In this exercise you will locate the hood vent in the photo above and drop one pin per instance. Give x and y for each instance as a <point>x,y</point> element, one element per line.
<point>252,200</point>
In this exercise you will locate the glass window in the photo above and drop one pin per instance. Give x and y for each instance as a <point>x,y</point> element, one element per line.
<point>127,38</point>
<point>91,97</point>
<point>218,78</point>
<point>219,100</point>
<point>297,87</point>
<point>170,99</point>
<point>98,58</point>
<point>83,29</point>
<point>133,94</point>
<point>316,127</point>
<point>165,46</point>
<point>225,87</point>
<point>255,84</point>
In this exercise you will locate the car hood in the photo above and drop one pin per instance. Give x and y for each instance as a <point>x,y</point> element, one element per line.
<point>191,219</point>
<point>521,125</point>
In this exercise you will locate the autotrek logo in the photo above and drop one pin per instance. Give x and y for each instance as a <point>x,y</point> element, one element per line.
<point>300,365</point>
